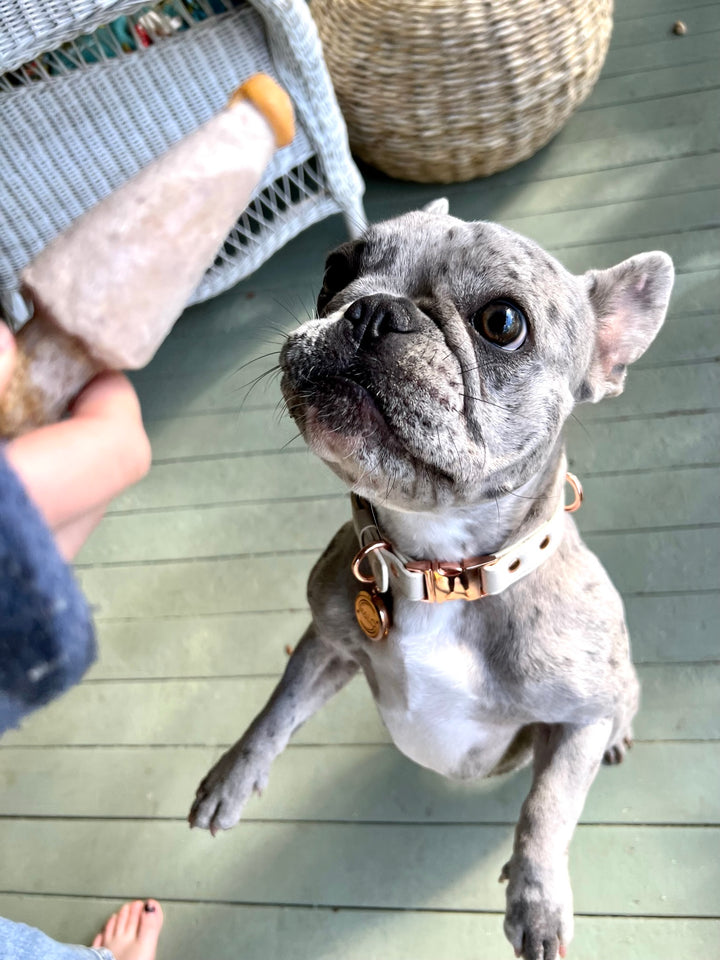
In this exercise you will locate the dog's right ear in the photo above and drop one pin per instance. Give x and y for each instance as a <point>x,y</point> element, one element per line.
<point>440,207</point>
<point>630,301</point>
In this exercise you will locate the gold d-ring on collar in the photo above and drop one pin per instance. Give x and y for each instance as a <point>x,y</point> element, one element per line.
<point>360,556</point>
<point>577,490</point>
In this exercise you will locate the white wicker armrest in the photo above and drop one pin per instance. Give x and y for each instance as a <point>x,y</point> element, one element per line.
<point>30,27</point>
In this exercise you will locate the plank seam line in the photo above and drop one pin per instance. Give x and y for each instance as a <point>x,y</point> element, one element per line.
<point>707,188</point>
<point>205,616</point>
<point>245,408</point>
<point>627,531</point>
<point>339,745</point>
<point>195,677</point>
<point>350,908</point>
<point>264,905</point>
<point>707,591</point>
<point>664,364</point>
<point>661,415</point>
<point>233,455</point>
<point>638,471</point>
<point>653,69</point>
<point>667,36</point>
<point>213,558</point>
<point>696,228</point>
<point>223,504</point>
<point>671,11</point>
<point>691,91</point>
<point>333,821</point>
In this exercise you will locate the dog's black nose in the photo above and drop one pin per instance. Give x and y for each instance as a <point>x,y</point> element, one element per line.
<point>377,315</point>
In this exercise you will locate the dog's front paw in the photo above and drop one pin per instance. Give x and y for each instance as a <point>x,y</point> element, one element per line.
<point>616,751</point>
<point>539,914</point>
<point>223,793</point>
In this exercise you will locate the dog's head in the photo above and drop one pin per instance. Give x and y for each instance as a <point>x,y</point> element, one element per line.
<point>446,355</point>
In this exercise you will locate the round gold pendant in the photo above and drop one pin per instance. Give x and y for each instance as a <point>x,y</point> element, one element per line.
<point>372,615</point>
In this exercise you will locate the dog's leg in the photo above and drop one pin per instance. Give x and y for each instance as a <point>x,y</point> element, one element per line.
<point>539,916</point>
<point>622,736</point>
<point>313,674</point>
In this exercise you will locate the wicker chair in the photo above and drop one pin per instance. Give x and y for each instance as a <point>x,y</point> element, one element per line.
<point>82,112</point>
<point>447,90</point>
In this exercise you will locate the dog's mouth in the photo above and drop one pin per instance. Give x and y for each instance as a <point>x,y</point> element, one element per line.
<point>339,416</point>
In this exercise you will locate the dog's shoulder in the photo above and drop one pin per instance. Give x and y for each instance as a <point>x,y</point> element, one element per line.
<point>332,588</point>
<point>562,629</point>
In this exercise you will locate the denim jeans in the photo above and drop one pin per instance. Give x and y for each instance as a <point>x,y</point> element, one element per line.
<point>20,942</point>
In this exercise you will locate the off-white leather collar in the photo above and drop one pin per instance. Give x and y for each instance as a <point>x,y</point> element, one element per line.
<point>435,581</point>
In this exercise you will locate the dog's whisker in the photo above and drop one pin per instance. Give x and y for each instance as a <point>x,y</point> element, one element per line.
<point>263,356</point>
<point>249,387</point>
<point>256,380</point>
<point>291,440</point>
<point>291,313</point>
<point>489,403</point>
<point>582,426</point>
<point>521,496</point>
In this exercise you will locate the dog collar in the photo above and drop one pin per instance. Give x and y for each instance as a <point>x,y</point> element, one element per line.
<point>435,581</point>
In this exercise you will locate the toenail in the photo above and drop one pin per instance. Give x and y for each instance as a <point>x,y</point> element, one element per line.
<point>149,908</point>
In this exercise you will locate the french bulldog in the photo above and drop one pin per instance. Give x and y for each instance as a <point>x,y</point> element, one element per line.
<point>435,381</point>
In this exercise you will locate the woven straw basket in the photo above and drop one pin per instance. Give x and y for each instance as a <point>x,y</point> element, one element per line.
<point>439,91</point>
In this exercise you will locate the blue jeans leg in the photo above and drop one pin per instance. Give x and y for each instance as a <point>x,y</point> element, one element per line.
<point>20,942</point>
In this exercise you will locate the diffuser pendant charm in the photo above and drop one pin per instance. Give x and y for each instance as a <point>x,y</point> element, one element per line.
<point>372,615</point>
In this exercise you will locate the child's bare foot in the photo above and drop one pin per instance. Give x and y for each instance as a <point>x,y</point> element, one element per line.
<point>132,933</point>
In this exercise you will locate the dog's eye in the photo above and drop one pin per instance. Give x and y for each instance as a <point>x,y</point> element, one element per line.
<point>338,274</point>
<point>502,324</point>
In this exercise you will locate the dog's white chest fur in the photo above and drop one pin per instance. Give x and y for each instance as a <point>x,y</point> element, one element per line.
<point>431,693</point>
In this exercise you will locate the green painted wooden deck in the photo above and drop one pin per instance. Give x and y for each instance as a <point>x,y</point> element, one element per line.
<point>354,852</point>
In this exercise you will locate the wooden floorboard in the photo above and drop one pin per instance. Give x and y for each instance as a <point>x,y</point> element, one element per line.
<point>646,870</point>
<point>215,710</point>
<point>230,932</point>
<point>364,784</point>
<point>354,851</point>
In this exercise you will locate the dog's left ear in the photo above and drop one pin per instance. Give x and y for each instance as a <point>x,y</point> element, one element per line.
<point>630,302</point>
<point>441,206</point>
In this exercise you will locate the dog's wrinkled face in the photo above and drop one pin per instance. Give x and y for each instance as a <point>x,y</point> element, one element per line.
<point>444,362</point>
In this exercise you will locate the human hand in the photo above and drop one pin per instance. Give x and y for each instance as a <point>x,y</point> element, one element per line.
<point>73,469</point>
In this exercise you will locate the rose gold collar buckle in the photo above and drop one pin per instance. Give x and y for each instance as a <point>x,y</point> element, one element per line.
<point>452,581</point>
